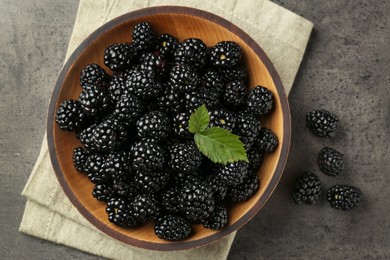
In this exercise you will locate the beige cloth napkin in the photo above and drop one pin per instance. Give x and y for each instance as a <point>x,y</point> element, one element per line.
<point>50,215</point>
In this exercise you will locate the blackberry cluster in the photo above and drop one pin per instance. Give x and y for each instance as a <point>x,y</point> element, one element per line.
<point>131,119</point>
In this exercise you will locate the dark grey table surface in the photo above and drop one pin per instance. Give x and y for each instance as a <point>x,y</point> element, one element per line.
<point>346,70</point>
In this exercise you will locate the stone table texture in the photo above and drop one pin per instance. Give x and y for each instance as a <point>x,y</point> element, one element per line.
<point>346,70</point>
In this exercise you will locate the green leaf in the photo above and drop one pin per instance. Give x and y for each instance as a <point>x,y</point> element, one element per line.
<point>220,145</point>
<point>199,120</point>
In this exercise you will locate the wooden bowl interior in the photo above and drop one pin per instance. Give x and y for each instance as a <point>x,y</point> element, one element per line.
<point>182,26</point>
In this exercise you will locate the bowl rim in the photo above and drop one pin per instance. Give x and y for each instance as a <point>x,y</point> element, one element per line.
<point>180,245</point>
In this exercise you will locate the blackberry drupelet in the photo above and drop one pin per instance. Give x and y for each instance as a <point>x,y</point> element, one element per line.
<point>307,189</point>
<point>225,54</point>
<point>94,168</point>
<point>172,228</point>
<point>145,207</point>
<point>120,56</point>
<point>143,84</point>
<point>151,181</point>
<point>110,135</point>
<point>222,118</point>
<point>167,45</point>
<point>330,161</point>
<point>183,78</point>
<point>93,75</point>
<point>191,51</point>
<point>79,158</point>
<point>70,116</point>
<point>218,186</point>
<point>260,101</point>
<point>120,213</point>
<point>248,128</point>
<point>85,138</point>
<point>128,109</point>
<point>232,74</point>
<point>196,201</point>
<point>147,155</point>
<point>180,125</point>
<point>234,95</point>
<point>144,37</point>
<point>184,157</point>
<point>268,141</point>
<point>155,124</point>
<point>233,173</point>
<point>170,200</point>
<point>322,123</point>
<point>218,219</point>
<point>244,190</point>
<point>96,102</point>
<point>102,192</point>
<point>343,197</point>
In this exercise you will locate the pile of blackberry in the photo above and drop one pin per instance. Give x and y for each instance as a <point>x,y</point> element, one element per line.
<point>132,122</point>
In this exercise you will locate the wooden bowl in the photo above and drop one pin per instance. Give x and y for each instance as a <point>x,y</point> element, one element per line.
<point>182,23</point>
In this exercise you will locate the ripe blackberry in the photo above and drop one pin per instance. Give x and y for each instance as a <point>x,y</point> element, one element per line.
<point>183,78</point>
<point>212,87</point>
<point>117,87</point>
<point>233,173</point>
<point>145,207</point>
<point>255,158</point>
<point>222,118</point>
<point>120,213</point>
<point>147,155</point>
<point>85,137</point>
<point>143,84</point>
<point>307,189</point>
<point>196,201</point>
<point>70,116</point>
<point>182,177</point>
<point>267,140</point>
<point>124,187</point>
<point>128,109</point>
<point>322,123</point>
<point>154,61</point>
<point>244,190</point>
<point>218,219</point>
<point>180,125</point>
<point>93,75</point>
<point>234,95</point>
<point>232,74</point>
<point>191,51</point>
<point>225,54</point>
<point>330,161</point>
<point>144,37</point>
<point>170,100</point>
<point>170,200</point>
<point>120,56</point>
<point>193,100</point>
<point>184,157</point>
<point>96,102</point>
<point>167,45</point>
<point>218,186</point>
<point>117,164</point>
<point>94,168</point>
<point>102,192</point>
<point>260,101</point>
<point>343,197</point>
<point>151,181</point>
<point>79,158</point>
<point>110,135</point>
<point>248,128</point>
<point>154,124</point>
<point>172,228</point>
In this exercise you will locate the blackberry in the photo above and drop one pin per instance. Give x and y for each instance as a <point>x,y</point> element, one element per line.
<point>117,164</point>
<point>196,201</point>
<point>322,123</point>
<point>124,187</point>
<point>96,102</point>
<point>128,109</point>
<point>120,56</point>
<point>85,137</point>
<point>248,128</point>
<point>268,141</point>
<point>93,75</point>
<point>222,118</point>
<point>225,54</point>
<point>143,84</point>
<point>170,100</point>
<point>233,173</point>
<point>167,44</point>
<point>117,87</point>
<point>144,37</point>
<point>191,51</point>
<point>155,124</point>
<point>193,100</point>
<point>218,219</point>
<point>183,78</point>
<point>183,177</point>
<point>110,135</point>
<point>172,228</point>
<point>330,161</point>
<point>70,116</point>
<point>151,181</point>
<point>212,87</point>
<point>180,125</point>
<point>147,155</point>
<point>234,95</point>
<point>307,189</point>
<point>170,200</point>
<point>120,213</point>
<point>79,158</point>
<point>233,74</point>
<point>102,192</point>
<point>343,197</point>
<point>244,190</point>
<point>218,186</point>
<point>184,157</point>
<point>260,101</point>
<point>94,168</point>
<point>255,158</point>
<point>154,61</point>
<point>145,207</point>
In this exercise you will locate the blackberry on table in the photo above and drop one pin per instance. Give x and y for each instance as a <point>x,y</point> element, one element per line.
<point>147,155</point>
<point>70,116</point>
<point>79,158</point>
<point>218,219</point>
<point>151,181</point>
<point>102,192</point>
<point>330,161</point>
<point>268,141</point>
<point>96,102</point>
<point>244,190</point>
<point>120,212</point>
<point>120,56</point>
<point>233,173</point>
<point>322,123</point>
<point>307,189</point>
<point>110,135</point>
<point>184,157</point>
<point>222,118</point>
<point>144,37</point>
<point>172,228</point>
<point>128,109</point>
<point>225,54</point>
<point>234,94</point>
<point>154,124</point>
<point>344,197</point>
<point>191,51</point>
<point>248,128</point>
<point>93,75</point>
<point>145,207</point>
<point>260,101</point>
